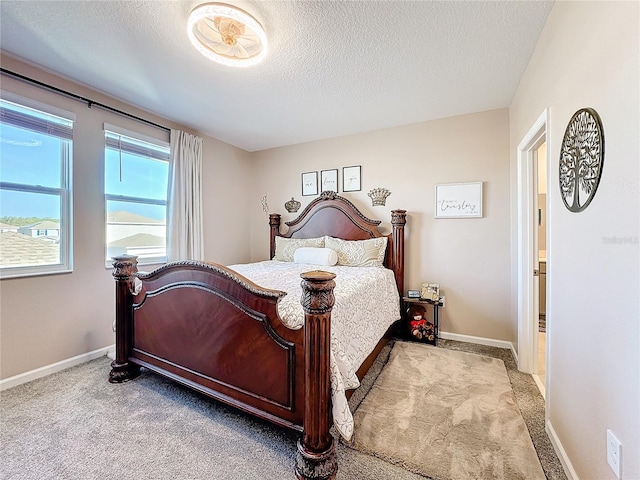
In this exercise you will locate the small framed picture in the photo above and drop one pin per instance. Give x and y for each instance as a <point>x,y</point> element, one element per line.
<point>309,184</point>
<point>351,179</point>
<point>329,180</point>
<point>413,294</point>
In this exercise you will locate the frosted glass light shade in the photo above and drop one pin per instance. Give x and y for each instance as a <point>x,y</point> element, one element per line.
<point>227,35</point>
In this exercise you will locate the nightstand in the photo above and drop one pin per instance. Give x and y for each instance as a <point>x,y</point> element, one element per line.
<point>425,331</point>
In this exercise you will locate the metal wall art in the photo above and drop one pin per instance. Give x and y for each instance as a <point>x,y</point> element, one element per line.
<point>379,196</point>
<point>292,205</point>
<point>581,159</point>
<point>265,205</point>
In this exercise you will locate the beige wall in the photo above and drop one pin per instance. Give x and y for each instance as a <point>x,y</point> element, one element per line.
<point>588,56</point>
<point>226,197</point>
<point>48,319</point>
<point>468,257</point>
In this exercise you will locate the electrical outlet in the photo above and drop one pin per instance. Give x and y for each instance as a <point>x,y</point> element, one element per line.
<point>442,300</point>
<point>614,451</point>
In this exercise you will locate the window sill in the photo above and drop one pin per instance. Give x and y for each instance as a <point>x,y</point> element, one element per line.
<point>6,275</point>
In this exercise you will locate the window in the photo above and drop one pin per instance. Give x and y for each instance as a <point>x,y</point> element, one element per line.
<point>136,179</point>
<point>35,188</point>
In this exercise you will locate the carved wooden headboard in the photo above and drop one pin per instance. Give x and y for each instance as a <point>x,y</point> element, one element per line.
<point>332,215</point>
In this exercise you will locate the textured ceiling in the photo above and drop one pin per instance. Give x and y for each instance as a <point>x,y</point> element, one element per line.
<point>334,67</point>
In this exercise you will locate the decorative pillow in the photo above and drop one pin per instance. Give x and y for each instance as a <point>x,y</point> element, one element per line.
<point>315,256</point>
<point>285,247</point>
<point>358,253</point>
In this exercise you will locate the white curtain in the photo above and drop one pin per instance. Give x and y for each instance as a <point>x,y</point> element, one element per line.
<point>184,200</point>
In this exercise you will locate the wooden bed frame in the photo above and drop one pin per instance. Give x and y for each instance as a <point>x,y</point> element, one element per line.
<point>213,330</point>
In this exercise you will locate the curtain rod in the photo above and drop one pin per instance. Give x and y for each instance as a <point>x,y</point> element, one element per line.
<point>90,103</point>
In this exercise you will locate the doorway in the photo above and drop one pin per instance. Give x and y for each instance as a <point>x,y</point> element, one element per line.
<point>540,165</point>
<point>532,146</point>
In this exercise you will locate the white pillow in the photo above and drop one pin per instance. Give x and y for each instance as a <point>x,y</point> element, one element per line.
<point>285,247</point>
<point>358,253</point>
<point>315,256</point>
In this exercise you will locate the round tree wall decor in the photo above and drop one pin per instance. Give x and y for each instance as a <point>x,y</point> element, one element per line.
<point>581,159</point>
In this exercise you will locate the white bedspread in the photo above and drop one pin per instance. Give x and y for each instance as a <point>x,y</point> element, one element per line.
<point>367,302</point>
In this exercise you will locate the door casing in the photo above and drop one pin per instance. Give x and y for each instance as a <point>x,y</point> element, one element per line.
<point>527,256</point>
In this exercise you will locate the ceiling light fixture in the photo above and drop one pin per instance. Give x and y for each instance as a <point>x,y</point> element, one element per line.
<point>227,35</point>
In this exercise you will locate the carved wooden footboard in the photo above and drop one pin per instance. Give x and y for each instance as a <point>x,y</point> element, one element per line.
<point>213,330</point>
<point>216,332</point>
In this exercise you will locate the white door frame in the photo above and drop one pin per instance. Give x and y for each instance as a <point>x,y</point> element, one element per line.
<point>527,255</point>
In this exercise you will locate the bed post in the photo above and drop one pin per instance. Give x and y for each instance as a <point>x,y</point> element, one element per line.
<point>274,224</point>
<point>398,221</point>
<point>125,268</point>
<point>316,456</point>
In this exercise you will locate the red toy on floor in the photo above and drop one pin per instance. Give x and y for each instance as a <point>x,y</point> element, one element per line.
<point>420,328</point>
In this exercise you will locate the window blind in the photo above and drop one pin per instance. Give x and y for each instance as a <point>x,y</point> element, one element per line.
<point>126,144</point>
<point>28,119</point>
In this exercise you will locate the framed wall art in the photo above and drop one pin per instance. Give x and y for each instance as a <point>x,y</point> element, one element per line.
<point>351,179</point>
<point>329,180</point>
<point>309,184</point>
<point>458,200</point>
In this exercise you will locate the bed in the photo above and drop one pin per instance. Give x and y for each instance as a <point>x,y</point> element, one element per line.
<point>213,329</point>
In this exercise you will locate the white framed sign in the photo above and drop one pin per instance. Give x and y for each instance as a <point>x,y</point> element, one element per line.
<point>458,200</point>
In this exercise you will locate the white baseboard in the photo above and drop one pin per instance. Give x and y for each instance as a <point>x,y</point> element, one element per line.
<point>480,341</point>
<point>53,368</point>
<point>540,385</point>
<point>562,455</point>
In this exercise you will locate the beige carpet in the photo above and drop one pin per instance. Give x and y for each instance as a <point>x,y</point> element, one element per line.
<point>447,415</point>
